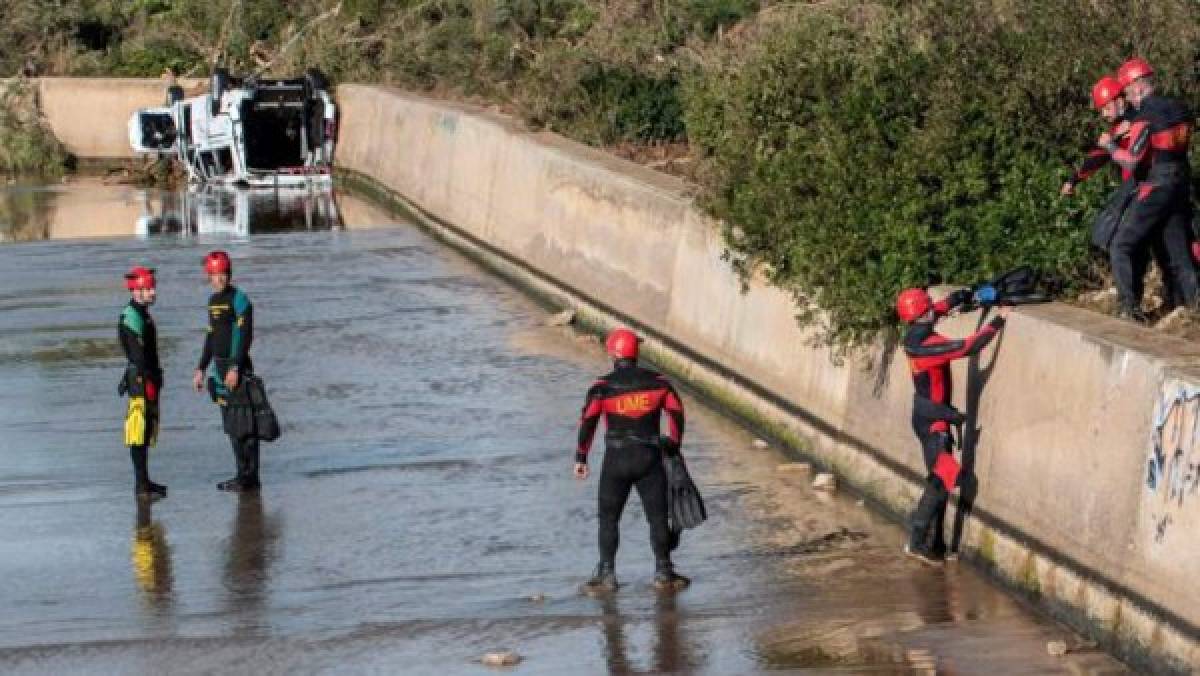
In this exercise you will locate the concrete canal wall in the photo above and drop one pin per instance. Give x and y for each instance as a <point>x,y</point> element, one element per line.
<point>1088,453</point>
<point>90,115</point>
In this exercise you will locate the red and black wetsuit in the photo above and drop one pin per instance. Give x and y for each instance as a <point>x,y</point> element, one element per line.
<point>1157,156</point>
<point>1097,158</point>
<point>631,400</point>
<point>929,356</point>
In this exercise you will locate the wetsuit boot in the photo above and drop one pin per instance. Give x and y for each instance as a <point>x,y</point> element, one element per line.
<point>143,487</point>
<point>234,483</point>
<point>245,453</point>
<point>1132,314</point>
<point>603,580</point>
<point>666,579</point>
<point>927,509</point>
<point>249,470</point>
<point>937,545</point>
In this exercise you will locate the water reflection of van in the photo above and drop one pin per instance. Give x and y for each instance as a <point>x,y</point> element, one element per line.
<point>246,131</point>
<point>206,210</point>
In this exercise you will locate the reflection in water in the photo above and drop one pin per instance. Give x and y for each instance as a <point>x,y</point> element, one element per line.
<point>24,214</point>
<point>87,207</point>
<point>251,551</point>
<point>150,555</point>
<point>210,209</point>
<point>669,653</point>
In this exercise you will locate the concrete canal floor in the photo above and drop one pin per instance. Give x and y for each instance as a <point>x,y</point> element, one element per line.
<point>418,511</point>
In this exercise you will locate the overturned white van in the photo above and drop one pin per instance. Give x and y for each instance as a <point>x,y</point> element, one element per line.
<point>248,131</point>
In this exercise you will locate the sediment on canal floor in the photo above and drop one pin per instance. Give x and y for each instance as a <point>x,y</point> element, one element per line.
<point>1086,460</point>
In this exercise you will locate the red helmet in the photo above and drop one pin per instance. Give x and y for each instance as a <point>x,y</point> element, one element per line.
<point>912,303</point>
<point>217,262</point>
<point>622,344</point>
<point>1133,69</point>
<point>1104,91</point>
<point>139,278</point>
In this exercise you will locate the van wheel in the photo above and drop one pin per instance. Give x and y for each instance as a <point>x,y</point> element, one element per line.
<point>315,80</point>
<point>217,86</point>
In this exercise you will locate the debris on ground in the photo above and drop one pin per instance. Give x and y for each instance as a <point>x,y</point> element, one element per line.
<point>1179,322</point>
<point>501,658</point>
<point>825,482</point>
<point>802,467</point>
<point>1056,648</point>
<point>564,318</point>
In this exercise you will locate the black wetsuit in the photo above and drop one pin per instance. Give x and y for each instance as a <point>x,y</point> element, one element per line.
<point>929,355</point>
<point>143,376</point>
<point>227,344</point>
<point>631,399</point>
<point>1157,155</point>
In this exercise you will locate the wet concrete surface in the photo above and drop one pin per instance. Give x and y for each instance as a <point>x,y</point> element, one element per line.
<point>418,511</point>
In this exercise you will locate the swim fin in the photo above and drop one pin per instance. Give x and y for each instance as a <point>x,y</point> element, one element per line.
<point>685,506</point>
<point>135,422</point>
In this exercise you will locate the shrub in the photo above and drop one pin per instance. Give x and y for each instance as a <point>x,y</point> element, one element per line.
<point>856,151</point>
<point>26,145</point>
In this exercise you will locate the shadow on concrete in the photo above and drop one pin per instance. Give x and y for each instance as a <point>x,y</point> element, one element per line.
<point>889,346</point>
<point>978,376</point>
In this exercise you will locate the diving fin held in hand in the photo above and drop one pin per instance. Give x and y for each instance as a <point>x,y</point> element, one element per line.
<point>685,506</point>
<point>1015,287</point>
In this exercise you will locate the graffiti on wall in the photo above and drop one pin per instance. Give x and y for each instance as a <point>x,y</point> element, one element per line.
<point>1173,467</point>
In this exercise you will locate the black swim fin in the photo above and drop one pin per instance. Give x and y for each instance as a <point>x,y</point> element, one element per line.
<point>685,506</point>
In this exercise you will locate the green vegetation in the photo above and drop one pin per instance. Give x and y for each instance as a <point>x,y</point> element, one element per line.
<point>862,149</point>
<point>26,145</point>
<point>852,148</point>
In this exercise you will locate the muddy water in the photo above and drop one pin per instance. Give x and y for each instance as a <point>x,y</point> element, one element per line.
<point>418,511</point>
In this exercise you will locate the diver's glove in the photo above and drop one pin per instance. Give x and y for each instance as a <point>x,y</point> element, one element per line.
<point>959,298</point>
<point>986,295</point>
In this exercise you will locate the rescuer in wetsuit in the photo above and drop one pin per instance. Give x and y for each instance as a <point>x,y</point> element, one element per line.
<point>225,361</point>
<point>631,399</point>
<point>143,377</point>
<point>1109,102</point>
<point>1157,155</point>
<point>929,355</point>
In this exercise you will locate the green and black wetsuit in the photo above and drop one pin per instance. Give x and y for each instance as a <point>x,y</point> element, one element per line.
<point>230,333</point>
<point>143,377</point>
<point>226,345</point>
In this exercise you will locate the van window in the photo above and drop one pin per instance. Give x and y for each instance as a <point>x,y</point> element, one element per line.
<point>224,160</point>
